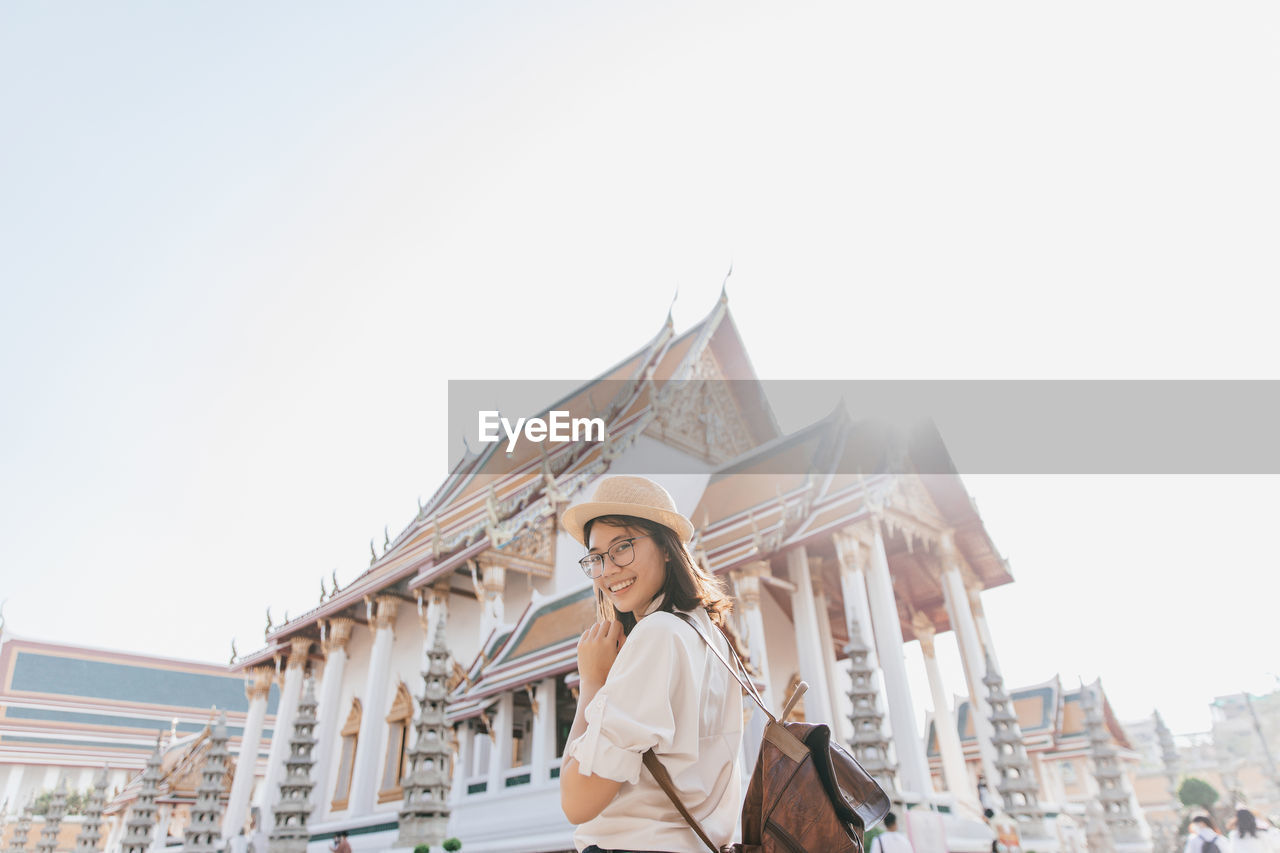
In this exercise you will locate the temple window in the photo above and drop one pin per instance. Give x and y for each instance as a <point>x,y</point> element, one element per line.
<point>347,758</point>
<point>398,720</point>
<point>521,729</point>
<point>566,708</point>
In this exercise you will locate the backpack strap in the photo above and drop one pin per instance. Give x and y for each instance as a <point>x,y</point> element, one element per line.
<point>664,781</point>
<point>651,759</point>
<point>739,672</point>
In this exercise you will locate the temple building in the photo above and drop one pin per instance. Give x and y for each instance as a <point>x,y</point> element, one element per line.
<point>843,526</point>
<point>1237,758</point>
<point>433,695</point>
<point>68,712</point>
<point>1056,735</point>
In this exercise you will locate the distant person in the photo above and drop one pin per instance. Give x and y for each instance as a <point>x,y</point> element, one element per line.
<point>984,797</point>
<point>1205,838</point>
<point>1248,837</point>
<point>891,840</point>
<point>340,843</point>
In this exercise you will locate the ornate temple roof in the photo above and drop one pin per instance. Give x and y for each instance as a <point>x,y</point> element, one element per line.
<point>543,643</point>
<point>87,705</point>
<point>181,763</point>
<point>1050,717</point>
<point>492,489</point>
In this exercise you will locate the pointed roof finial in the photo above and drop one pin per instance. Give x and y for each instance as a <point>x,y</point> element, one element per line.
<point>724,285</point>
<point>670,321</point>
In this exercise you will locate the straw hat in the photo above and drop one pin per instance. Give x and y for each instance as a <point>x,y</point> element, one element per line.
<point>627,495</point>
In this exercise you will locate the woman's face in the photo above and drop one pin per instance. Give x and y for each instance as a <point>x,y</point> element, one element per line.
<point>634,585</point>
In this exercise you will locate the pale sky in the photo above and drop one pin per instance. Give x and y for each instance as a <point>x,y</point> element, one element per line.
<point>243,249</point>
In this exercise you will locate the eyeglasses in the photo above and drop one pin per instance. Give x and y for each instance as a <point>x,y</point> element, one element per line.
<point>622,553</point>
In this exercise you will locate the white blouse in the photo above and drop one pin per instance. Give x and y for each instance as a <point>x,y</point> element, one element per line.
<point>668,692</point>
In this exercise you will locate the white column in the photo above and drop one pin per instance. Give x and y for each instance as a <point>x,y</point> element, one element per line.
<point>337,632</point>
<point>161,832</point>
<point>501,753</point>
<point>839,722</point>
<point>817,702</point>
<point>373,724</point>
<point>913,768</point>
<point>544,731</point>
<point>51,778</point>
<point>747,583</point>
<point>853,556</point>
<point>491,605</point>
<point>433,612</point>
<point>944,722</point>
<point>980,622</point>
<point>461,763</point>
<point>957,602</point>
<point>11,785</point>
<point>257,687</point>
<point>269,793</point>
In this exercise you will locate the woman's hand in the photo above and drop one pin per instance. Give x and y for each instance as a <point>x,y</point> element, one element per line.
<point>597,650</point>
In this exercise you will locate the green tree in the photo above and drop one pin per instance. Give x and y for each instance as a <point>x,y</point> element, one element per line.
<point>1197,792</point>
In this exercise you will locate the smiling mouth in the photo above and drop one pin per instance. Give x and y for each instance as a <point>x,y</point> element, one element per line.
<point>621,585</point>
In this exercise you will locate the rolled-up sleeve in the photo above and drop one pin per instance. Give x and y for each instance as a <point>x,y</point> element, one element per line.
<point>633,713</point>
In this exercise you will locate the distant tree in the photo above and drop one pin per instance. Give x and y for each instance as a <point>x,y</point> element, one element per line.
<point>452,845</point>
<point>1197,792</point>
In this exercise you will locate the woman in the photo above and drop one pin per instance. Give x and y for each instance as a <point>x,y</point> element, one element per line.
<point>1248,837</point>
<point>648,681</point>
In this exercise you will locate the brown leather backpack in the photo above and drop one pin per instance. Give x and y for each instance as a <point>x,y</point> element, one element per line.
<point>807,794</point>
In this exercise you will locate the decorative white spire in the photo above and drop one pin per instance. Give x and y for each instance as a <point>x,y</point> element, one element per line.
<point>424,818</point>
<point>1017,784</point>
<point>290,833</point>
<point>142,817</point>
<point>204,829</point>
<point>1113,790</point>
<point>18,842</point>
<point>870,745</point>
<point>91,829</point>
<point>53,819</point>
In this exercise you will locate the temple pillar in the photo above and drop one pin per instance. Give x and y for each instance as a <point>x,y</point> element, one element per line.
<point>501,752</point>
<point>257,687</point>
<point>161,835</point>
<point>13,783</point>
<point>544,731</point>
<point>944,722</point>
<point>433,610</point>
<point>853,556</point>
<point>971,656</point>
<point>913,768</point>
<point>337,632</point>
<point>373,723</point>
<point>746,582</point>
<point>493,583</point>
<point>839,720</point>
<point>290,691</point>
<point>974,594</point>
<point>462,737</point>
<point>804,612</point>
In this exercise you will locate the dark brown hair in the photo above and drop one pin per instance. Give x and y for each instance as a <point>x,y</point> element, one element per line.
<point>686,585</point>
